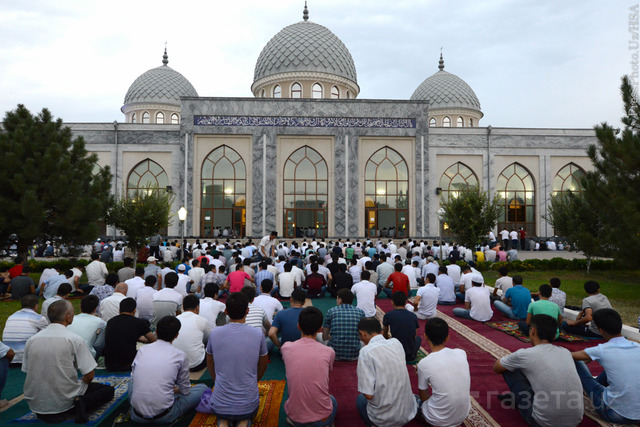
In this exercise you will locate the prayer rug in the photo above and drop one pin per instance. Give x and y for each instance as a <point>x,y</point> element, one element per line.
<point>511,328</point>
<point>121,385</point>
<point>268,415</point>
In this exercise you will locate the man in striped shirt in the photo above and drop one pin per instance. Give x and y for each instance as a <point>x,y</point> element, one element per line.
<point>22,325</point>
<point>256,317</point>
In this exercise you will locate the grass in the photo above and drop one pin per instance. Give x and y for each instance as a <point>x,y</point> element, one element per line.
<point>621,287</point>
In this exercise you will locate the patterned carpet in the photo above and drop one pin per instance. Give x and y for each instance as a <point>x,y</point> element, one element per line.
<point>511,328</point>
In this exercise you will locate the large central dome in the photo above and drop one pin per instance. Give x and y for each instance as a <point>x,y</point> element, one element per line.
<point>306,53</point>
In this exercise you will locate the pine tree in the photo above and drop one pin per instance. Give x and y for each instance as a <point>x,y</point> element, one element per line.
<point>49,189</point>
<point>613,187</point>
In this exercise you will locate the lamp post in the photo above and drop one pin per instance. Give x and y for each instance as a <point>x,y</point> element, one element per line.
<point>440,217</point>
<point>182,215</point>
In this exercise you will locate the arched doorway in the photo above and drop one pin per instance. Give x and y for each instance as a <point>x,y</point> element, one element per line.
<point>517,193</point>
<point>147,176</point>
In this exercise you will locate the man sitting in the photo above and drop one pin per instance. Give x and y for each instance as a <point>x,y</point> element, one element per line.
<point>341,327</point>
<point>446,371</point>
<point>268,303</point>
<point>160,388</point>
<point>89,326</point>
<point>110,306</point>
<point>22,285</point>
<point>135,283</point>
<point>445,283</point>
<point>366,293</point>
<point>22,325</point>
<point>383,379</point>
<point>477,301</point>
<point>402,324</point>
<point>286,321</point>
<point>144,298</point>
<point>256,317</point>
<point>315,284</point>
<point>503,283</point>
<point>303,382</point>
<point>194,333</point>
<point>542,306</point>
<point>426,300</point>
<point>62,292</point>
<point>122,334</point>
<point>515,301</point>
<point>52,359</point>
<point>615,393</point>
<point>398,280</point>
<point>210,307</point>
<point>594,302</point>
<point>545,372</point>
<point>167,301</point>
<point>235,398</point>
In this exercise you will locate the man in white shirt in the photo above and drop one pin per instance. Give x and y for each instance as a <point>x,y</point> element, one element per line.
<point>446,371</point>
<point>266,249</point>
<point>477,303</point>
<point>89,326</point>
<point>446,286</point>
<point>429,267</point>
<point>366,293</point>
<point>135,283</point>
<point>167,302</point>
<point>210,307</point>
<point>411,274</point>
<point>184,281</point>
<point>426,301</point>
<point>144,298</point>
<point>383,379</point>
<point>195,274</point>
<point>504,236</point>
<point>96,271</point>
<point>503,283</point>
<point>269,304</point>
<point>110,306</point>
<point>454,271</point>
<point>160,388</point>
<point>194,333</point>
<point>288,282</point>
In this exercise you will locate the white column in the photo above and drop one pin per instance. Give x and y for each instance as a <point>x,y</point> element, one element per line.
<point>264,184</point>
<point>346,186</point>
<point>422,184</point>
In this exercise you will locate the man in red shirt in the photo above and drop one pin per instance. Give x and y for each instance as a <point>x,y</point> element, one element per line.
<point>235,279</point>
<point>399,280</point>
<point>16,270</point>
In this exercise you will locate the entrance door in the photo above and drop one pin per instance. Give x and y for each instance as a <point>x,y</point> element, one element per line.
<point>305,223</point>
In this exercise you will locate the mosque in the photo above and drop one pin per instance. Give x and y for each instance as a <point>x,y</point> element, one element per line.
<point>306,157</point>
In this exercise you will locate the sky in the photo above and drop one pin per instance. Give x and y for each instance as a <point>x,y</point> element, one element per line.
<point>537,64</point>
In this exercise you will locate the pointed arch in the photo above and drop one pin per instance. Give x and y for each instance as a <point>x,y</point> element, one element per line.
<point>568,179</point>
<point>175,119</point>
<point>517,192</point>
<point>306,192</point>
<point>317,91</point>
<point>386,177</point>
<point>145,175</point>
<point>224,193</point>
<point>457,177</point>
<point>145,117</point>
<point>160,118</point>
<point>296,90</point>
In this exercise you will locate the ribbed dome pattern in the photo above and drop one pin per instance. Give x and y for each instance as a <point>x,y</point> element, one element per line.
<point>305,46</point>
<point>446,90</point>
<point>161,85</point>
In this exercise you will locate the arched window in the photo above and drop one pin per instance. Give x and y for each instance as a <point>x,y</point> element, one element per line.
<point>306,191</point>
<point>517,193</point>
<point>335,92</point>
<point>147,176</point>
<point>277,91</point>
<point>317,91</point>
<point>145,117</point>
<point>348,95</point>
<point>432,122</point>
<point>446,122</point>
<point>568,179</point>
<point>160,118</point>
<point>456,178</point>
<point>224,194</point>
<point>262,93</point>
<point>296,90</point>
<point>386,196</point>
<point>175,119</point>
<point>460,122</point>
<point>133,117</point>
<point>470,122</point>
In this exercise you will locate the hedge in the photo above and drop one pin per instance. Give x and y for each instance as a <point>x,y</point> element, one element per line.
<point>546,264</point>
<point>67,264</point>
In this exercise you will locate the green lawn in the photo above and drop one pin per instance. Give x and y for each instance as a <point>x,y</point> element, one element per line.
<point>621,287</point>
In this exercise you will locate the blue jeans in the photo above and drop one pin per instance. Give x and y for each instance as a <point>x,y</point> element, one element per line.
<point>462,312</point>
<point>323,423</point>
<point>460,296</point>
<point>505,309</point>
<point>98,343</point>
<point>523,393</point>
<point>595,387</point>
<point>181,405</point>
<point>388,292</point>
<point>323,290</point>
<point>4,372</point>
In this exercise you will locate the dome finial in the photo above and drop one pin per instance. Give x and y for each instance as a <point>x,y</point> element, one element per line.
<point>441,62</point>
<point>305,12</point>
<point>165,57</point>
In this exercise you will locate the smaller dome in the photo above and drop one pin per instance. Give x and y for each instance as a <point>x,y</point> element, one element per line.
<point>446,90</point>
<point>161,85</point>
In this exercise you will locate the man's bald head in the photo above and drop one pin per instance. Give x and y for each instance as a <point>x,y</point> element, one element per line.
<point>121,288</point>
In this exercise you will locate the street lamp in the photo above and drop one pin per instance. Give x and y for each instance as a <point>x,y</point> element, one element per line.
<point>182,215</point>
<point>440,213</point>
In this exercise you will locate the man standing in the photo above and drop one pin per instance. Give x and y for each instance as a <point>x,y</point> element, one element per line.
<point>309,400</point>
<point>446,370</point>
<point>402,324</point>
<point>266,249</point>
<point>523,239</point>
<point>615,393</point>
<point>513,235</point>
<point>154,245</point>
<point>160,388</point>
<point>68,353</point>
<point>547,373</point>
<point>341,327</point>
<point>235,398</point>
<point>504,236</point>
<point>383,379</point>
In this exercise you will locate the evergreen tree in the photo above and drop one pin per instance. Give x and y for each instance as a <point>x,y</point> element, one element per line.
<point>471,215</point>
<point>49,189</point>
<point>613,187</point>
<point>140,215</point>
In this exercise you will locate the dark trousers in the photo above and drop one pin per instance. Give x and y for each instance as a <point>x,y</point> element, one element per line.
<point>154,251</point>
<point>523,394</point>
<point>582,330</point>
<point>96,395</point>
